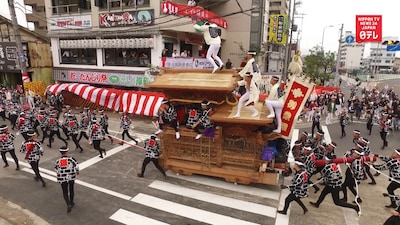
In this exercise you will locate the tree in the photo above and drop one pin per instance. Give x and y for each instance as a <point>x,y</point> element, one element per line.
<point>319,65</point>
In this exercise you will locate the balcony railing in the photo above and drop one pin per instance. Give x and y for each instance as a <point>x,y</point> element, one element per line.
<point>65,9</point>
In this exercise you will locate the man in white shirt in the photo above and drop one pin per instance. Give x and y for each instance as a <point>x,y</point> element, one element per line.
<point>251,67</point>
<point>175,54</point>
<point>184,54</point>
<point>212,38</point>
<point>275,103</point>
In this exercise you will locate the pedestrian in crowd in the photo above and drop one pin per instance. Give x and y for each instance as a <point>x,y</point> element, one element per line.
<point>339,103</point>
<point>298,188</point>
<point>72,126</point>
<point>331,108</point>
<point>167,115</point>
<point>64,127</point>
<point>152,154</point>
<point>13,111</point>
<point>333,182</point>
<point>104,123</point>
<point>83,126</point>
<point>367,151</point>
<point>213,39</point>
<point>310,167</point>
<point>250,98</point>
<point>125,125</point>
<point>204,121</point>
<point>7,145</point>
<point>67,168</point>
<point>354,172</point>
<point>343,120</point>
<point>384,123</point>
<point>316,118</point>
<point>53,125</point>
<point>370,123</point>
<point>96,135</point>
<point>392,164</point>
<point>228,64</point>
<point>33,152</point>
<point>23,125</point>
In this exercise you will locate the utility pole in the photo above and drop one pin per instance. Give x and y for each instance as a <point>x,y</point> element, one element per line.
<point>287,48</point>
<point>17,36</point>
<point>338,56</point>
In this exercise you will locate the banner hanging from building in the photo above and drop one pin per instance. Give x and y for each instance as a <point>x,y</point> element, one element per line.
<point>128,18</point>
<point>277,28</point>
<point>70,22</point>
<point>368,28</point>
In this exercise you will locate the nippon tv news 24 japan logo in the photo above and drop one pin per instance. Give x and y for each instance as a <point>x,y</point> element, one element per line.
<point>368,28</point>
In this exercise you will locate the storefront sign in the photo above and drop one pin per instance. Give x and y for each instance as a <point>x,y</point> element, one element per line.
<point>9,57</point>
<point>130,18</point>
<point>70,22</point>
<point>186,63</point>
<point>368,28</point>
<point>277,28</point>
<point>196,13</point>
<point>104,78</point>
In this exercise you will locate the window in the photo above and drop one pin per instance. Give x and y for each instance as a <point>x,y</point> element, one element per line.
<point>105,4</point>
<point>388,55</point>
<point>127,57</point>
<point>86,56</point>
<point>387,61</point>
<point>69,6</point>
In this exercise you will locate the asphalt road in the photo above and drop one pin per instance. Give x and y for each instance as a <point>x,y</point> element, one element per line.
<point>109,192</point>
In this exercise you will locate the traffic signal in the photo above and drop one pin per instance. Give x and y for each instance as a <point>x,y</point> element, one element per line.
<point>390,42</point>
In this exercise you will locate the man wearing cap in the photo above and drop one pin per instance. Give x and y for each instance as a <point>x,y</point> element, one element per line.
<point>152,153</point>
<point>204,121</point>
<point>33,151</point>
<point>251,95</point>
<point>393,165</point>
<point>274,103</point>
<point>167,115</point>
<point>212,38</point>
<point>7,145</point>
<point>298,188</point>
<point>354,173</point>
<point>304,139</point>
<point>125,124</point>
<point>54,126</point>
<point>384,123</point>
<point>333,182</point>
<point>367,151</point>
<point>330,150</point>
<point>96,135</point>
<point>23,125</point>
<point>310,167</point>
<point>67,168</point>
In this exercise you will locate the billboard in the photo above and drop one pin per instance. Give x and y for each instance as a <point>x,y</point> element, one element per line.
<point>277,28</point>
<point>9,57</point>
<point>128,18</point>
<point>368,28</point>
<point>70,22</point>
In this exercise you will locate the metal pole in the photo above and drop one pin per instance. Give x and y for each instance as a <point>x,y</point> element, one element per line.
<point>17,37</point>
<point>285,70</point>
<point>338,56</point>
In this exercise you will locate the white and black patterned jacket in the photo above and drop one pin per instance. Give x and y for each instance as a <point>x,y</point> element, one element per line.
<point>357,167</point>
<point>72,126</point>
<point>52,124</point>
<point>393,165</point>
<point>66,167</point>
<point>125,122</point>
<point>103,120</point>
<point>205,118</point>
<point>33,150</point>
<point>96,132</point>
<point>309,163</point>
<point>7,142</point>
<point>152,149</point>
<point>332,175</point>
<point>24,124</point>
<point>169,114</point>
<point>299,186</point>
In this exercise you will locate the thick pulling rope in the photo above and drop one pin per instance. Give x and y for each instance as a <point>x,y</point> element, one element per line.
<point>390,178</point>
<point>120,141</point>
<point>233,103</point>
<point>355,181</point>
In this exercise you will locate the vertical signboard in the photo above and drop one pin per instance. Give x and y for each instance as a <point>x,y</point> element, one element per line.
<point>277,28</point>
<point>368,28</point>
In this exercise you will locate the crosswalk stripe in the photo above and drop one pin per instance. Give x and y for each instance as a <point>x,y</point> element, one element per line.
<point>295,137</point>
<point>280,218</point>
<point>187,211</point>
<point>327,136</point>
<point>215,199</point>
<point>262,193</point>
<point>129,218</point>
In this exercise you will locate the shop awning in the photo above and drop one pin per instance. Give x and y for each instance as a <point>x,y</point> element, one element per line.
<point>136,102</point>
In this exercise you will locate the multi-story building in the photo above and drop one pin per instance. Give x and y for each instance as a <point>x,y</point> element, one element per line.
<point>37,16</point>
<point>396,65</point>
<point>351,54</point>
<point>381,61</point>
<point>112,42</point>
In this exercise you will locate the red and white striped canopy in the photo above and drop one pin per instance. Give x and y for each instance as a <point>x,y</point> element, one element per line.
<point>137,102</point>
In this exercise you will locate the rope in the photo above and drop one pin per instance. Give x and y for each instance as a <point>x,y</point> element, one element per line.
<point>390,178</point>
<point>315,183</point>
<point>120,141</point>
<point>233,103</point>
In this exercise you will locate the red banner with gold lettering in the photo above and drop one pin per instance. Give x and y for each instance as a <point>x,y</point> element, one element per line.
<point>296,94</point>
<point>196,13</point>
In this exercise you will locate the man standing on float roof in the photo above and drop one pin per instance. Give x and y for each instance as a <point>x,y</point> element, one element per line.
<point>274,103</point>
<point>212,38</point>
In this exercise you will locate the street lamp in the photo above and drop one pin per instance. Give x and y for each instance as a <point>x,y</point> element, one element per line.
<point>323,36</point>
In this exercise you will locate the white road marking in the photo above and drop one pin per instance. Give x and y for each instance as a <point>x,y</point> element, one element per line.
<point>129,218</point>
<point>263,193</point>
<point>280,218</point>
<point>215,199</point>
<point>327,136</point>
<point>187,211</point>
<point>350,216</point>
<point>295,137</point>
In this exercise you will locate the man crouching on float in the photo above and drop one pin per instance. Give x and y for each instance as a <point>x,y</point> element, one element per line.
<point>275,103</point>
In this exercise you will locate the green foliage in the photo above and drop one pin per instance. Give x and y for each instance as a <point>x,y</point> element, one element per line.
<point>319,65</point>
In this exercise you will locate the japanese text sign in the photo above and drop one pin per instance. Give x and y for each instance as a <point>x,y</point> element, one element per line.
<point>277,28</point>
<point>368,28</point>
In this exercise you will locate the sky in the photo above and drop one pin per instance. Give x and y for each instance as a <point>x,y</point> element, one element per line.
<point>323,13</point>
<point>19,11</point>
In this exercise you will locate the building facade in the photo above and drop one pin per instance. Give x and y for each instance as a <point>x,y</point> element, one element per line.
<point>113,42</point>
<point>37,16</point>
<point>351,54</point>
<point>380,60</point>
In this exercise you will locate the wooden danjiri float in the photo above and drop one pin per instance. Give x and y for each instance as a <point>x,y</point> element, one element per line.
<point>234,152</point>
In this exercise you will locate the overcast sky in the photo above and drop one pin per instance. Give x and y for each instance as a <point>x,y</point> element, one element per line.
<point>19,10</point>
<point>322,13</point>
